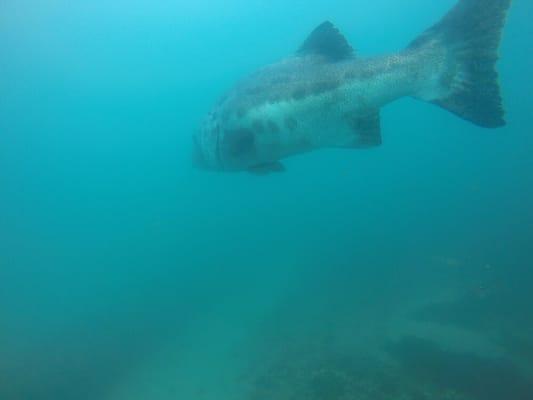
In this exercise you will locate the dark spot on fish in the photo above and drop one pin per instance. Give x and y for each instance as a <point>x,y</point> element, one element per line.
<point>299,94</point>
<point>272,126</point>
<point>224,117</point>
<point>291,123</point>
<point>305,143</point>
<point>350,75</point>
<point>274,98</point>
<point>239,142</point>
<point>281,80</point>
<point>241,112</point>
<point>257,126</point>
<point>254,90</point>
<point>366,74</point>
<point>322,87</point>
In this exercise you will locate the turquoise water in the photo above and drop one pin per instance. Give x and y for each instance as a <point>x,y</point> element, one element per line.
<point>402,272</point>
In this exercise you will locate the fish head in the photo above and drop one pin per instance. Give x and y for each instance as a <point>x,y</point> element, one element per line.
<point>224,142</point>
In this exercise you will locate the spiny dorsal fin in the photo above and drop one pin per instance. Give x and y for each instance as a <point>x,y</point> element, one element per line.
<point>326,40</point>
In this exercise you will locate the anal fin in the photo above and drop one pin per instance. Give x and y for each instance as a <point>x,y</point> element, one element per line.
<point>365,130</point>
<point>267,168</point>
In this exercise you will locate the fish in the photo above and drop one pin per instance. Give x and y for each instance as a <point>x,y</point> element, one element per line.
<point>325,95</point>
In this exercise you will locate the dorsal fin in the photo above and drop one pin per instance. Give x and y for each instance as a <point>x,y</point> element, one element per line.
<point>326,40</point>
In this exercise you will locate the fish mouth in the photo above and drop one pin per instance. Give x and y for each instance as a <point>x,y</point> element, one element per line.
<point>205,153</point>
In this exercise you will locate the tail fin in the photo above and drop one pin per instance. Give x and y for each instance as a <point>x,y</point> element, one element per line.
<point>471,33</point>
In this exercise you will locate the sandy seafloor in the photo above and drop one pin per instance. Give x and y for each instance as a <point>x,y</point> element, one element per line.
<point>343,347</point>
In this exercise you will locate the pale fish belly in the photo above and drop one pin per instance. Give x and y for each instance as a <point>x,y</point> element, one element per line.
<point>293,126</point>
<point>296,126</point>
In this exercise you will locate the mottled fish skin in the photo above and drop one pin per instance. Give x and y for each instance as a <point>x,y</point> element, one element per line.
<point>325,96</point>
<point>305,103</point>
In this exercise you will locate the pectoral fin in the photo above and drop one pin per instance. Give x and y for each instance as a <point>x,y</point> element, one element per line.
<point>267,168</point>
